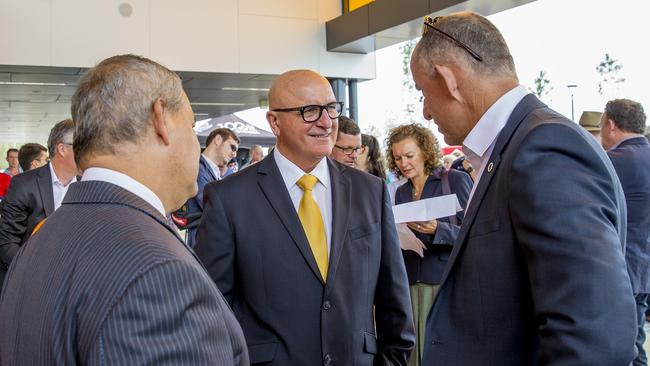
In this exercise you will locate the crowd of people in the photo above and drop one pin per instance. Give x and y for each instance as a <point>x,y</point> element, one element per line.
<point>295,258</point>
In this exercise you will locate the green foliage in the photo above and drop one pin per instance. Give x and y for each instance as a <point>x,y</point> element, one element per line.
<point>406,50</point>
<point>609,70</point>
<point>542,85</point>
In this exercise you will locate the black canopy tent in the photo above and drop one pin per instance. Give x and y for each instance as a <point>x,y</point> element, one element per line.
<point>247,133</point>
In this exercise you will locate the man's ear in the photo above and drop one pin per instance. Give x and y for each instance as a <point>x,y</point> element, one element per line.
<point>449,81</point>
<point>217,141</point>
<point>159,124</point>
<point>274,123</point>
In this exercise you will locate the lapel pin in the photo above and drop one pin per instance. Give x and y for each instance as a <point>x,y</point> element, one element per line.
<point>490,166</point>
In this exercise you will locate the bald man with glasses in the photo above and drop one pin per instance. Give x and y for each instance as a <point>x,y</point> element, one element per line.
<point>303,280</point>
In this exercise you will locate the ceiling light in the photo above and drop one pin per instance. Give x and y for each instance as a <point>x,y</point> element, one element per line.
<point>30,84</point>
<point>244,89</point>
<point>219,104</point>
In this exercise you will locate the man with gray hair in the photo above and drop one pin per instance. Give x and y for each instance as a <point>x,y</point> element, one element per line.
<point>537,274</point>
<point>106,281</point>
<point>622,126</point>
<point>35,194</point>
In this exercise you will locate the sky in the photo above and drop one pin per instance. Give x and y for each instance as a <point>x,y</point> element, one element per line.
<point>565,38</point>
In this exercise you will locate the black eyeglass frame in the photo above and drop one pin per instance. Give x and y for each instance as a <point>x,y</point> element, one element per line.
<point>350,149</point>
<point>430,22</point>
<point>320,113</point>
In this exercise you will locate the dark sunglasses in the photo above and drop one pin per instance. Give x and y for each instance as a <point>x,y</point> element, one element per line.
<point>431,22</point>
<point>233,147</point>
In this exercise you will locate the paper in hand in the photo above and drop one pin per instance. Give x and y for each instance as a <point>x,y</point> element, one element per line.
<point>408,240</point>
<point>427,209</point>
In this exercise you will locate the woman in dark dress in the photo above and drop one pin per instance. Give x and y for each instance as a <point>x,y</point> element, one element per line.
<point>413,153</point>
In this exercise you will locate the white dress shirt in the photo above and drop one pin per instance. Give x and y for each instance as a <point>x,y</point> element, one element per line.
<point>321,192</point>
<point>126,182</point>
<point>58,188</point>
<point>214,167</point>
<point>479,143</point>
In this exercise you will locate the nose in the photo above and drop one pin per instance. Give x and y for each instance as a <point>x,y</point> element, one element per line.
<point>354,154</point>
<point>425,112</point>
<point>324,121</point>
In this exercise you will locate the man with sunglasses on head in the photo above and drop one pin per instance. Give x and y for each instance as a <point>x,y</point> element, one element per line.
<point>348,142</point>
<point>537,275</point>
<point>220,147</point>
<point>318,279</point>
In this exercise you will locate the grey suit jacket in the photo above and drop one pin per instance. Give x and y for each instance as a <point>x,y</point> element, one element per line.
<point>537,275</point>
<point>28,201</point>
<point>106,282</point>
<point>631,160</point>
<point>253,245</point>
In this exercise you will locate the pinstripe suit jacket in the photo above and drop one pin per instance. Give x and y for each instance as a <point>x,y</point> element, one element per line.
<point>106,282</point>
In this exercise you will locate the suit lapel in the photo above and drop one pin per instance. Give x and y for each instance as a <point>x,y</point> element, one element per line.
<point>341,198</point>
<point>275,191</point>
<point>207,168</point>
<point>523,108</point>
<point>44,182</point>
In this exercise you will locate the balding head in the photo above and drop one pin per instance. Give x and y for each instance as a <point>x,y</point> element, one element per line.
<point>303,143</point>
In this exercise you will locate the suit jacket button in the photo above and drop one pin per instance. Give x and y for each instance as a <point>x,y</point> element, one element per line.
<point>327,360</point>
<point>326,305</point>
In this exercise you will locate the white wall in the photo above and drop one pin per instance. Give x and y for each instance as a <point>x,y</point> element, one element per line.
<point>230,36</point>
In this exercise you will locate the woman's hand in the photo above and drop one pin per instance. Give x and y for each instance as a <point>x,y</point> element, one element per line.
<point>424,227</point>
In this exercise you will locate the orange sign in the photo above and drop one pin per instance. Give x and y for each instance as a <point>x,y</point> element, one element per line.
<point>356,4</point>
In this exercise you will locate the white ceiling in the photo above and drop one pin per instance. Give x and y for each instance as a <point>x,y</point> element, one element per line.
<point>28,112</point>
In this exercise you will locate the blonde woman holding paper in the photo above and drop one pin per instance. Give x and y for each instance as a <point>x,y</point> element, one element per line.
<point>413,153</point>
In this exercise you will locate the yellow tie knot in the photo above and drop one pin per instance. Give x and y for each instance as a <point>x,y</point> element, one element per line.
<point>307,182</point>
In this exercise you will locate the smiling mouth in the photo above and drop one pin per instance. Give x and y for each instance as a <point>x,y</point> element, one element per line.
<point>321,136</point>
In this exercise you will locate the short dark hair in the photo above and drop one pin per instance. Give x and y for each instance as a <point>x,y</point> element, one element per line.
<point>58,133</point>
<point>627,115</point>
<point>225,133</point>
<point>28,153</point>
<point>376,164</point>
<point>348,126</point>
<point>11,150</point>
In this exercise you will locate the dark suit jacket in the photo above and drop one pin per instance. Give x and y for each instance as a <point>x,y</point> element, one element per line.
<point>106,282</point>
<point>429,269</point>
<point>537,275</point>
<point>28,201</point>
<point>631,160</point>
<point>262,262</point>
<point>195,204</point>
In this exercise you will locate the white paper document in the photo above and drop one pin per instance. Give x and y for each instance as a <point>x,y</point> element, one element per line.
<point>408,240</point>
<point>427,209</point>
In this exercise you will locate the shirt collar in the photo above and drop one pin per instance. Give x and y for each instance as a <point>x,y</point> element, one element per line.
<point>291,172</point>
<point>623,140</point>
<point>487,129</point>
<point>213,166</point>
<point>126,182</point>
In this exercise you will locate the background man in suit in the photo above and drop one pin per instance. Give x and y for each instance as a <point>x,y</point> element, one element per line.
<point>537,274</point>
<point>32,156</point>
<point>106,281</point>
<point>323,252</point>
<point>220,146</point>
<point>35,194</point>
<point>348,142</point>
<point>622,126</point>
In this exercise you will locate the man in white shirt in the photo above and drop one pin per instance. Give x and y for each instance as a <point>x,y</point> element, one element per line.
<point>304,248</point>
<point>106,280</point>
<point>220,146</point>
<point>35,194</point>
<point>537,274</point>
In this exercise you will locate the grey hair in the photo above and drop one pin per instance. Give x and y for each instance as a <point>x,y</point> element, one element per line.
<point>59,134</point>
<point>476,32</point>
<point>628,115</point>
<point>114,102</point>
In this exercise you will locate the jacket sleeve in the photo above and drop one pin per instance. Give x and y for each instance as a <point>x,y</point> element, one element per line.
<point>169,316</point>
<point>567,212</point>
<point>215,243</point>
<point>446,233</point>
<point>13,222</point>
<point>393,313</point>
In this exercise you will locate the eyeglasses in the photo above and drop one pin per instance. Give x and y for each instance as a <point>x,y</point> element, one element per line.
<point>311,113</point>
<point>233,147</point>
<point>349,150</point>
<point>430,22</point>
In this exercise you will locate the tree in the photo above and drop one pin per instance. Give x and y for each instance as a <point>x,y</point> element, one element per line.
<point>542,85</point>
<point>609,70</point>
<point>407,49</point>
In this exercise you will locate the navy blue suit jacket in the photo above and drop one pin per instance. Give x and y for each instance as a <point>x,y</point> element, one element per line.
<point>430,268</point>
<point>195,204</point>
<point>262,262</point>
<point>631,160</point>
<point>537,275</point>
<point>105,281</point>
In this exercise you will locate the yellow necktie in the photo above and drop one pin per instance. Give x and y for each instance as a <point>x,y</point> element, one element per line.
<point>312,222</point>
